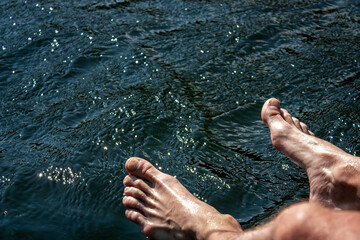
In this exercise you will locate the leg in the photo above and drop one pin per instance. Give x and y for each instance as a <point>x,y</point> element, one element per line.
<point>312,221</point>
<point>165,210</point>
<point>334,175</point>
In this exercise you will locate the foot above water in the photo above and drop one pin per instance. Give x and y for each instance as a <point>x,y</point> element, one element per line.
<point>334,175</point>
<point>153,200</point>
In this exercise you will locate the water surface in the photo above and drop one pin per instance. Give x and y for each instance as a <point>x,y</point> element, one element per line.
<point>86,84</point>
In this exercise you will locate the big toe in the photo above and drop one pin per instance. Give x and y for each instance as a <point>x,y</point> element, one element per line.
<point>142,169</point>
<point>270,109</point>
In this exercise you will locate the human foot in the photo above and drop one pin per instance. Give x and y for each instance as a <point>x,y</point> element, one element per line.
<point>164,209</point>
<point>334,175</point>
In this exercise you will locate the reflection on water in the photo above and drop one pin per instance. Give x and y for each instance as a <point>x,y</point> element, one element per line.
<point>65,176</point>
<point>86,85</point>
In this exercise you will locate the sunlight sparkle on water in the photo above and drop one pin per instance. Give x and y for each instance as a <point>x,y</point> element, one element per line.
<point>4,179</point>
<point>62,175</point>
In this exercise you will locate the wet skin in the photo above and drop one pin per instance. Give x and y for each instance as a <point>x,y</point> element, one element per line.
<point>334,175</point>
<point>164,209</point>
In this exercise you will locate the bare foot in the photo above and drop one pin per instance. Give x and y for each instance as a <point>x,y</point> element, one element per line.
<point>163,209</point>
<point>334,175</point>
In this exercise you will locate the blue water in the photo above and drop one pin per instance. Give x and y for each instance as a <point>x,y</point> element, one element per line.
<point>86,84</point>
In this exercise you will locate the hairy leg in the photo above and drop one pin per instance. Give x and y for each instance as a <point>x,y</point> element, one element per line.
<point>334,175</point>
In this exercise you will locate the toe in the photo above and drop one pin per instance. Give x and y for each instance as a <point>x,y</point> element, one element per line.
<point>136,217</point>
<point>304,128</point>
<point>297,123</point>
<point>137,205</point>
<point>133,203</point>
<point>287,117</point>
<point>142,169</point>
<point>132,181</point>
<point>135,192</point>
<point>270,109</point>
<point>138,194</point>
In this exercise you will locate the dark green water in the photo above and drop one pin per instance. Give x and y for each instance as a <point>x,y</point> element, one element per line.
<point>86,84</point>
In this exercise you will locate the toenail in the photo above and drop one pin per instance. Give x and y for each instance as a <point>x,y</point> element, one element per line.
<point>274,102</point>
<point>132,164</point>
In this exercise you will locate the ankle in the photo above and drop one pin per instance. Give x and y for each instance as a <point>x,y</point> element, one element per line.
<point>226,228</point>
<point>346,193</point>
